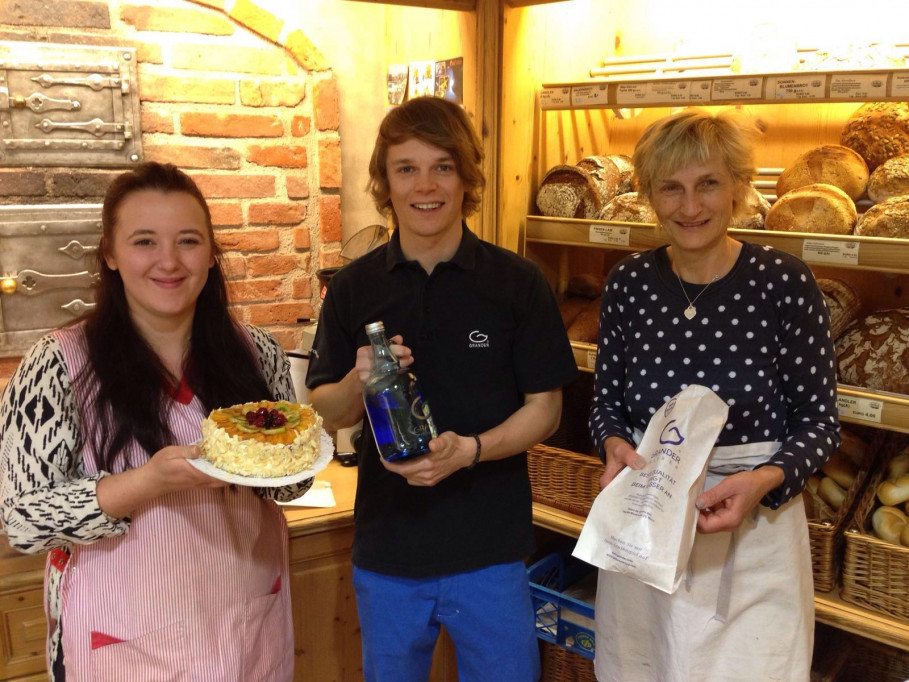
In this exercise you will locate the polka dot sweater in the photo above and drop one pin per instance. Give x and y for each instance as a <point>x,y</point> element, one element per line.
<point>760,339</point>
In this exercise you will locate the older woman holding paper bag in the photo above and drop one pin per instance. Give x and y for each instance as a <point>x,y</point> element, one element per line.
<point>749,323</point>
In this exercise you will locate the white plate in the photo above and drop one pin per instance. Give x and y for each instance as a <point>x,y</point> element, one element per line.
<point>327,452</point>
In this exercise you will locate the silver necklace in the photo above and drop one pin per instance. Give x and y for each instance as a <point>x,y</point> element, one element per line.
<point>691,311</point>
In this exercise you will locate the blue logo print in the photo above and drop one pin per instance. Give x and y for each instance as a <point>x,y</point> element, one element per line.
<point>671,435</point>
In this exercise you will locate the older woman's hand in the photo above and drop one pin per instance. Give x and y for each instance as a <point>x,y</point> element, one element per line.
<point>619,454</point>
<point>725,506</point>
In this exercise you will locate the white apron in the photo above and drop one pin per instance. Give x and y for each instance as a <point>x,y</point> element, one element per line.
<point>197,588</point>
<point>743,613</point>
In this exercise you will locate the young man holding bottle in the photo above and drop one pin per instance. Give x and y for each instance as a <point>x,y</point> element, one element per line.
<point>441,539</point>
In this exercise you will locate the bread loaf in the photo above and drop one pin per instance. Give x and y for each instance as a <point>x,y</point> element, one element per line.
<point>894,491</point>
<point>626,172</point>
<point>854,449</point>
<point>584,327</point>
<point>843,303</point>
<point>605,174</point>
<point>570,308</point>
<point>878,131</point>
<point>890,218</point>
<point>898,465</point>
<point>586,284</point>
<point>569,192</point>
<point>873,351</point>
<point>630,207</point>
<point>831,164</point>
<point>890,179</point>
<point>813,208</point>
<point>888,524</point>
<point>831,492</point>
<point>753,213</point>
<point>840,469</point>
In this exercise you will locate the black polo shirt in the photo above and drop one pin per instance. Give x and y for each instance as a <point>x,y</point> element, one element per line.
<point>485,329</point>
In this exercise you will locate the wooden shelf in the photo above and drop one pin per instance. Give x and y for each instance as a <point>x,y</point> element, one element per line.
<point>830,609</point>
<point>842,251</point>
<point>677,90</point>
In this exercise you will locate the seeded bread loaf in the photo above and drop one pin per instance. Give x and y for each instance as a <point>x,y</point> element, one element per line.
<point>890,218</point>
<point>878,131</point>
<point>890,179</point>
<point>631,207</point>
<point>569,192</point>
<point>831,164</point>
<point>626,172</point>
<point>605,175</point>
<point>813,208</point>
<point>873,351</point>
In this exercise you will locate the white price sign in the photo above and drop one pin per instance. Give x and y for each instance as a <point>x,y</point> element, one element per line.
<point>737,88</point>
<point>810,86</point>
<point>858,86</point>
<point>591,359</point>
<point>900,85</point>
<point>590,95</point>
<point>866,409</point>
<point>829,251</point>
<point>616,235</point>
<point>631,93</point>
<point>555,98</point>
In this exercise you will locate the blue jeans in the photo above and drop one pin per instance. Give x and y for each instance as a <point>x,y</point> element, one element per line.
<point>488,614</point>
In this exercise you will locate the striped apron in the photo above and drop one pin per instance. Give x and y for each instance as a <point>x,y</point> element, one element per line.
<point>197,589</point>
<point>743,613</point>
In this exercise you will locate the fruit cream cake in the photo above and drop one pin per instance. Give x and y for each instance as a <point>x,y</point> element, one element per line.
<point>267,439</point>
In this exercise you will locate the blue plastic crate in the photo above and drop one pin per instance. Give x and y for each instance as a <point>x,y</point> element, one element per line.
<point>562,619</point>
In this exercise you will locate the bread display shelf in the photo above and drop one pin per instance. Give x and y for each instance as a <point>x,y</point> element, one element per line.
<point>829,608</point>
<point>842,251</point>
<point>678,90</point>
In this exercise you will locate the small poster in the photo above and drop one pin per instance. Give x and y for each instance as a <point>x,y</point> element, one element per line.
<point>422,79</point>
<point>449,75</point>
<point>397,83</point>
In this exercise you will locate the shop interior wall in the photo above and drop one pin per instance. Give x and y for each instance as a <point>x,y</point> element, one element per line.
<point>561,42</point>
<point>360,40</point>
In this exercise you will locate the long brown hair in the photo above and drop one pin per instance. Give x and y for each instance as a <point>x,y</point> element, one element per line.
<point>132,387</point>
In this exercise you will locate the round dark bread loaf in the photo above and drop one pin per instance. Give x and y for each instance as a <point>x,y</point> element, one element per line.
<point>754,212</point>
<point>605,175</point>
<point>843,303</point>
<point>570,307</point>
<point>584,327</point>
<point>631,207</point>
<point>813,208</point>
<point>586,284</point>
<point>626,172</point>
<point>890,218</point>
<point>831,164</point>
<point>878,131</point>
<point>873,351</point>
<point>890,179</point>
<point>569,192</point>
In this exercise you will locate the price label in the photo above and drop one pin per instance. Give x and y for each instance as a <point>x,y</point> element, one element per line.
<point>809,86</point>
<point>631,93</point>
<point>616,235</point>
<point>672,92</point>
<point>591,359</point>
<point>699,91</point>
<point>555,98</point>
<point>829,251</point>
<point>590,95</point>
<point>858,86</point>
<point>866,409</point>
<point>899,87</point>
<point>737,88</point>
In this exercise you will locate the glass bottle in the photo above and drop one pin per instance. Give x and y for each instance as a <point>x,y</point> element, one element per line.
<point>398,414</point>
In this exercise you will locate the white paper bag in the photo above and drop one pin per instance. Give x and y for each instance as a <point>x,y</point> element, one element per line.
<point>643,523</point>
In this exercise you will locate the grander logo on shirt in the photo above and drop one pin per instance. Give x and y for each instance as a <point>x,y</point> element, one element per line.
<point>478,339</point>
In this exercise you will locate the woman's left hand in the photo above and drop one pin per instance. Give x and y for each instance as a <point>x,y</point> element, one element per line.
<point>725,506</point>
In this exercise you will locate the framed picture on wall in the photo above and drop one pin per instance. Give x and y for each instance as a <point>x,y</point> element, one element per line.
<point>422,79</point>
<point>397,83</point>
<point>449,76</point>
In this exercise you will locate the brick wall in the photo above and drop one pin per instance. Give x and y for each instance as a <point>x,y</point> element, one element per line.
<point>244,104</point>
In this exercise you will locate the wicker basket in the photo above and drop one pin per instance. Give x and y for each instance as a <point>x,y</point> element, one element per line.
<point>874,662</point>
<point>876,573</point>
<point>827,538</point>
<point>563,479</point>
<point>561,665</point>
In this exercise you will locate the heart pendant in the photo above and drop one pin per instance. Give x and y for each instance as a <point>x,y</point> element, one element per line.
<point>690,312</point>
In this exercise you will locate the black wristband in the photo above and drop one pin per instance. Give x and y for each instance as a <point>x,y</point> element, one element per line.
<point>476,457</point>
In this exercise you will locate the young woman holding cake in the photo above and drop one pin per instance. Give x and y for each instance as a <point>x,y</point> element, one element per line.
<point>750,323</point>
<point>155,570</point>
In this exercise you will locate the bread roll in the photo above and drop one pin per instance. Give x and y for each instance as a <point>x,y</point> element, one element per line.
<point>631,207</point>
<point>894,491</point>
<point>587,284</point>
<point>904,536</point>
<point>888,524</point>
<point>873,351</point>
<point>878,131</point>
<point>831,164</point>
<point>843,303</point>
<point>898,465</point>
<point>569,192</point>
<point>840,469</point>
<point>753,213</point>
<point>584,327</point>
<point>890,218</point>
<point>890,179</point>
<point>605,174</point>
<point>813,208</point>
<point>570,308</point>
<point>831,492</point>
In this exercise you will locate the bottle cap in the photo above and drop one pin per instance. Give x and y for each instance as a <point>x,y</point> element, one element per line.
<point>373,327</point>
